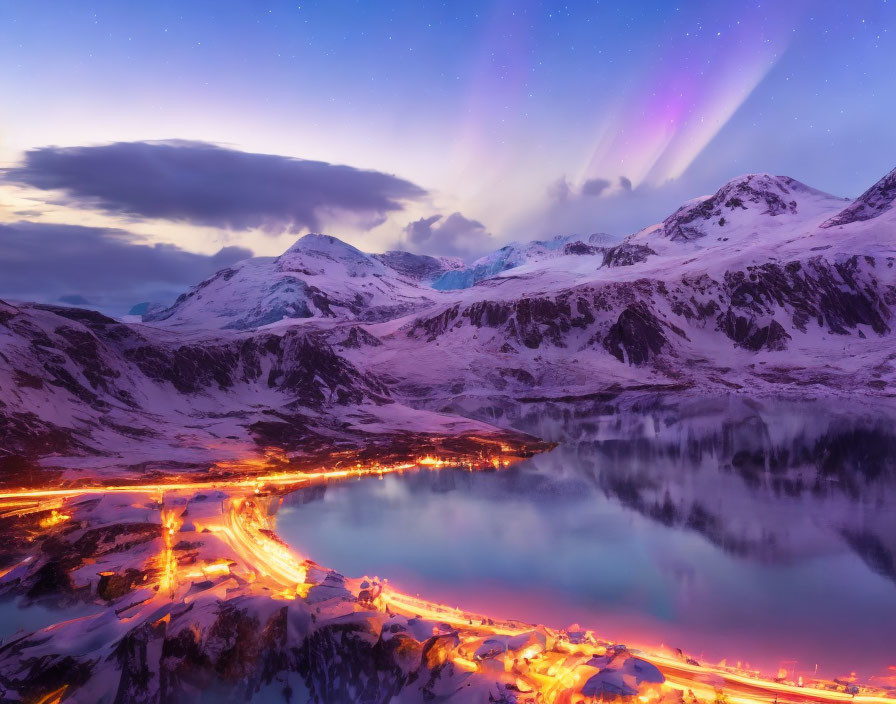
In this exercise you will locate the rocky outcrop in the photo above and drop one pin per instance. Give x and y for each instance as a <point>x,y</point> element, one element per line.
<point>436,325</point>
<point>759,307</point>
<point>418,266</point>
<point>297,362</point>
<point>838,296</point>
<point>637,335</point>
<point>532,322</point>
<point>875,201</point>
<point>627,254</point>
<point>768,195</point>
<point>540,320</point>
<point>83,360</point>
<point>749,334</point>
<point>580,249</point>
<point>357,337</point>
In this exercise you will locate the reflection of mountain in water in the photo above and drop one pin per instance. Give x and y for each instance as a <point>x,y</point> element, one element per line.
<point>772,481</point>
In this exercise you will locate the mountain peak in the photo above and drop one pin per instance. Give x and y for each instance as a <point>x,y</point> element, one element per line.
<point>317,243</point>
<point>741,201</point>
<point>878,199</point>
<point>420,267</point>
<point>315,253</point>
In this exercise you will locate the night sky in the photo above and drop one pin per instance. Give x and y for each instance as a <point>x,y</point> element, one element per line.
<point>167,136</point>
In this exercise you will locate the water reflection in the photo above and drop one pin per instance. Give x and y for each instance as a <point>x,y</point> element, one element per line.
<point>19,617</point>
<point>729,529</point>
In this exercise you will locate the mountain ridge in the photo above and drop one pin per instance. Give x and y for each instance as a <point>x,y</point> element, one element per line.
<point>327,341</point>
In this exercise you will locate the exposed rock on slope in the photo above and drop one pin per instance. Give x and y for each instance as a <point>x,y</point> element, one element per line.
<point>420,267</point>
<point>735,203</point>
<point>318,277</point>
<point>77,382</point>
<point>752,288</point>
<point>693,298</point>
<point>626,254</point>
<point>876,200</point>
<point>637,335</point>
<point>837,298</point>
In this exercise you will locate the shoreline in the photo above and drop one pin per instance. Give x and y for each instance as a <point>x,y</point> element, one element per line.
<point>259,563</point>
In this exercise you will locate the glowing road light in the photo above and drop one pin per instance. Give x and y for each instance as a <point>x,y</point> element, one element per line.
<point>262,559</point>
<point>55,518</point>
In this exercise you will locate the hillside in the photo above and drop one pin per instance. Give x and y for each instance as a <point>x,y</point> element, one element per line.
<point>767,286</point>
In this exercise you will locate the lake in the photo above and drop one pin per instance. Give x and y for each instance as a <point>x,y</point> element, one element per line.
<point>760,533</point>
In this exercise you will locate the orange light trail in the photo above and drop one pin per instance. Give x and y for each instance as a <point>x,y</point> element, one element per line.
<point>244,525</point>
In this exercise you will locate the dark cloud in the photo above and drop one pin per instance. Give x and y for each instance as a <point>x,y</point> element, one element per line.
<point>205,184</point>
<point>454,236</point>
<point>108,268</point>
<point>621,208</point>
<point>560,190</point>
<point>595,186</point>
<point>420,230</point>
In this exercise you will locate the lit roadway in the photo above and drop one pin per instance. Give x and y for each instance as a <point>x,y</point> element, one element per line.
<point>245,527</point>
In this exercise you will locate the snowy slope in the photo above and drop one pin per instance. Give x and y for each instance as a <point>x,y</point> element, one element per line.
<point>765,300</point>
<point>322,277</point>
<point>420,267</point>
<point>877,200</point>
<point>745,208</point>
<point>519,253</point>
<point>87,388</point>
<point>767,286</point>
<point>318,277</point>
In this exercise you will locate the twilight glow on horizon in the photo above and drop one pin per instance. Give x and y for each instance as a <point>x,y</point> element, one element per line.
<point>483,122</point>
<point>458,352</point>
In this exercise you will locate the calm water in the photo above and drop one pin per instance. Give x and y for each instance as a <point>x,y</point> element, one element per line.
<point>730,531</point>
<point>19,617</point>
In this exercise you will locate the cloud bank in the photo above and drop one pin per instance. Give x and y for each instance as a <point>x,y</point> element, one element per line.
<point>609,205</point>
<point>453,236</point>
<point>204,184</point>
<point>102,268</point>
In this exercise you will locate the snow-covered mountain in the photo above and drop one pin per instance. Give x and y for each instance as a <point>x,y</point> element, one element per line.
<point>876,201</point>
<point>116,396</point>
<point>419,267</point>
<point>323,277</point>
<point>745,207</point>
<point>766,300</point>
<point>318,277</point>
<point>519,253</point>
<point>766,286</point>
